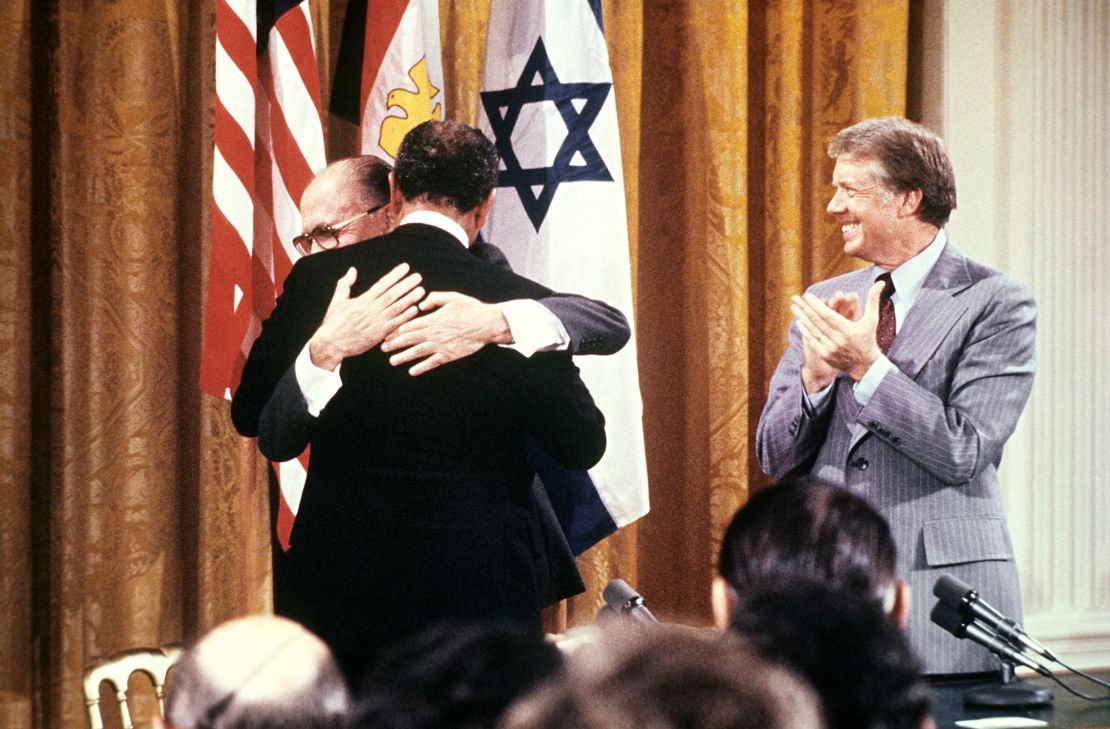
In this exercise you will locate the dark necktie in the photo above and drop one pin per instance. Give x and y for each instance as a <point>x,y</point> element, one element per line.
<point>884,333</point>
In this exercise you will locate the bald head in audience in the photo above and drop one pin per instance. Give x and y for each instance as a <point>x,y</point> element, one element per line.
<point>669,678</point>
<point>259,672</point>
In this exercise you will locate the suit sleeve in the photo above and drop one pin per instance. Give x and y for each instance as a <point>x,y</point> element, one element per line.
<point>297,313</point>
<point>594,326</point>
<point>787,438</point>
<point>956,437</point>
<point>559,411</point>
<point>285,426</point>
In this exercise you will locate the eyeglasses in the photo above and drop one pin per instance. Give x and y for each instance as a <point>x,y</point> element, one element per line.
<point>326,237</point>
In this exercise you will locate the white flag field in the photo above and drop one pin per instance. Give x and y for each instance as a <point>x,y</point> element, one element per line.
<point>559,215</point>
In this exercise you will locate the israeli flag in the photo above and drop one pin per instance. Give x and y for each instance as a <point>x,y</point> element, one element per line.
<point>547,101</point>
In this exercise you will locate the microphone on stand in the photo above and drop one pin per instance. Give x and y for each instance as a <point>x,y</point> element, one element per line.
<point>962,626</point>
<point>960,596</point>
<point>622,600</point>
<point>960,621</point>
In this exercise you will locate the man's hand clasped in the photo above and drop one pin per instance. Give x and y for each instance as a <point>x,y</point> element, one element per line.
<point>453,326</point>
<point>397,313</point>
<point>835,338</point>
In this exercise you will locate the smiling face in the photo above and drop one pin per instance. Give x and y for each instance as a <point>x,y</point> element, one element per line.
<point>872,219</point>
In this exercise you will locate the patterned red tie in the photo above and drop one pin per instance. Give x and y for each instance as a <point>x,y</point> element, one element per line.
<point>884,333</point>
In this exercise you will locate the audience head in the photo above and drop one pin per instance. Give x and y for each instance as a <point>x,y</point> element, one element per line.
<point>454,677</point>
<point>857,660</point>
<point>669,678</point>
<point>346,203</point>
<point>447,165</point>
<point>904,156</point>
<point>259,672</point>
<point>805,528</point>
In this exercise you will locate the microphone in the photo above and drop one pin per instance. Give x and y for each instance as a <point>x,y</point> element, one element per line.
<point>622,599</point>
<point>964,626</point>
<point>960,596</point>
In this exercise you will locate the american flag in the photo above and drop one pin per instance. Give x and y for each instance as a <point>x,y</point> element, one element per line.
<point>269,143</point>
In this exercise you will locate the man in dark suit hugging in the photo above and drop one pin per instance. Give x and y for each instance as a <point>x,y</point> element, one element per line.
<point>417,505</point>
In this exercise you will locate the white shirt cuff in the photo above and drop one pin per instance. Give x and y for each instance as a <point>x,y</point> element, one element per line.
<point>317,384</point>
<point>815,403</point>
<point>533,327</point>
<point>865,388</point>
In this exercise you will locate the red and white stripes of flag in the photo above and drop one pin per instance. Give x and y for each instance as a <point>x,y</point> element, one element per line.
<point>269,143</point>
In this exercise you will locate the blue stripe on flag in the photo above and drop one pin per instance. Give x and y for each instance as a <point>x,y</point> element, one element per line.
<point>575,500</point>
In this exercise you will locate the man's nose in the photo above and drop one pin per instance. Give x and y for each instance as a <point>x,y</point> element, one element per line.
<point>836,203</point>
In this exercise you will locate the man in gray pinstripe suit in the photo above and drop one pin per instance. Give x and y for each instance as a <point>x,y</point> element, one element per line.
<point>918,428</point>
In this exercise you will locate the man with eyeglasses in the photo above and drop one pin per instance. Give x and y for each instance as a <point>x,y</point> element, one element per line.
<point>418,505</point>
<point>355,191</point>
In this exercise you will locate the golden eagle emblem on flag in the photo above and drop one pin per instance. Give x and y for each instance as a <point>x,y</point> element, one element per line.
<point>416,106</point>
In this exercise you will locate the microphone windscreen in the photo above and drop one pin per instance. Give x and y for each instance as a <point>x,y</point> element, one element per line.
<point>949,619</point>
<point>618,593</point>
<point>951,591</point>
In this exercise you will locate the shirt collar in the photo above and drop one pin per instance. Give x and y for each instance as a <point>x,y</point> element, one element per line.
<point>438,220</point>
<point>910,276</point>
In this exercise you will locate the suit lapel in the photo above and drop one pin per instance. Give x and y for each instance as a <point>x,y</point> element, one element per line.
<point>935,311</point>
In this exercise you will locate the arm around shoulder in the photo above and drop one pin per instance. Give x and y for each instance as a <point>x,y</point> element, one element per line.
<point>594,326</point>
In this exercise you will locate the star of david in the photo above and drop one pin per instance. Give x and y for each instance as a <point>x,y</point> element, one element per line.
<point>503,110</point>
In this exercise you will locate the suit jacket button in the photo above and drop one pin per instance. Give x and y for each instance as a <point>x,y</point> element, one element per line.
<point>861,463</point>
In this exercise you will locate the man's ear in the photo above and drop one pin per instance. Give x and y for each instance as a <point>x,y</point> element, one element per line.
<point>394,193</point>
<point>724,602</point>
<point>900,607</point>
<point>481,213</point>
<point>911,203</point>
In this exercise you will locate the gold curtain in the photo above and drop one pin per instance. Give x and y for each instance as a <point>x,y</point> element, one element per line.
<point>129,511</point>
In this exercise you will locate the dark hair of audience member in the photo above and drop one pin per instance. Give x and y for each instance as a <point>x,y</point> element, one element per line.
<point>454,676</point>
<point>857,660</point>
<point>809,529</point>
<point>669,678</point>
<point>447,164</point>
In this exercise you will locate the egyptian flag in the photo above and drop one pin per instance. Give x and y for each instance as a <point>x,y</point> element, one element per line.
<point>389,77</point>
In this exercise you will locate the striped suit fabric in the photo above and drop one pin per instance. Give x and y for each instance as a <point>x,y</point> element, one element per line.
<point>926,448</point>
